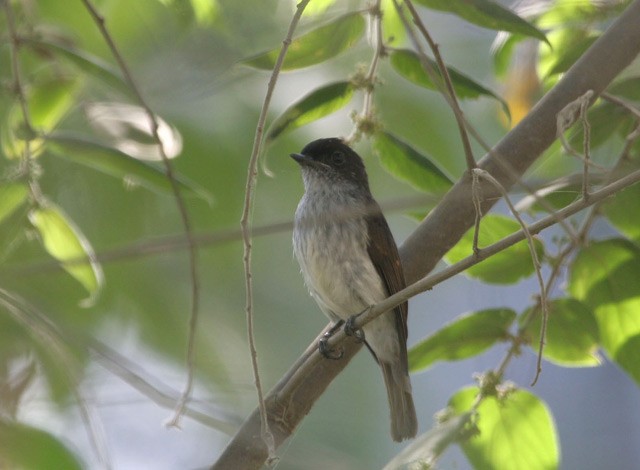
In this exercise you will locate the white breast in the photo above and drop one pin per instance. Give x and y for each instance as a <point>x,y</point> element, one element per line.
<point>331,247</point>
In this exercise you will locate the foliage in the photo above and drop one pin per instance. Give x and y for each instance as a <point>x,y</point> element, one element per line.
<point>78,190</point>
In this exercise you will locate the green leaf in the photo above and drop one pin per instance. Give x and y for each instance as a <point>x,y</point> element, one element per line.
<point>466,336</point>
<point>393,30</point>
<point>317,7</point>
<point>407,63</point>
<point>567,46</point>
<point>116,163</point>
<point>66,243</point>
<point>89,63</point>
<point>572,334</point>
<point>486,14</point>
<point>312,107</point>
<point>407,164</point>
<point>606,119</point>
<point>29,448</point>
<point>568,55</point>
<point>506,267</point>
<point>316,46</point>
<point>12,196</point>
<point>425,450</point>
<point>618,209</point>
<point>628,357</point>
<point>628,88</point>
<point>516,431</point>
<point>605,276</point>
<point>47,103</point>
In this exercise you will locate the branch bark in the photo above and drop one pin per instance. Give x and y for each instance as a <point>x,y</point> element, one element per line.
<point>294,395</point>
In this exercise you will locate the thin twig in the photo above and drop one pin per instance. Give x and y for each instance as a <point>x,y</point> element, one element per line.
<point>19,89</point>
<point>160,394</point>
<point>182,208</point>
<point>245,225</point>
<point>366,118</point>
<point>477,204</point>
<point>452,98</point>
<point>534,257</point>
<point>586,146</point>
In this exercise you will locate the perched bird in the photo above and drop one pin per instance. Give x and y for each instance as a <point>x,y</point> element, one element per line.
<point>350,261</point>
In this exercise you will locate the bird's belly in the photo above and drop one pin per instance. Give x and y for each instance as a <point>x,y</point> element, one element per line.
<point>337,269</point>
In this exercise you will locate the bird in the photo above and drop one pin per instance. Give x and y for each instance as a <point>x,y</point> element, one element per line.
<point>349,262</point>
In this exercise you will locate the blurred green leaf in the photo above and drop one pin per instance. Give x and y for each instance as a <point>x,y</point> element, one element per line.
<point>12,196</point>
<point>628,357</point>
<point>604,276</point>
<point>619,208</point>
<point>47,103</point>
<point>317,7</point>
<point>628,88</point>
<point>316,46</point>
<point>425,449</point>
<point>65,242</point>
<point>407,164</point>
<point>28,448</point>
<point>487,14</point>
<point>561,13</point>
<point>502,51</point>
<point>50,101</point>
<point>393,30</point>
<point>466,336</point>
<point>506,267</point>
<point>572,334</point>
<point>93,65</point>
<point>116,163</point>
<point>516,431</point>
<point>312,107</point>
<point>567,46</point>
<point>407,63</point>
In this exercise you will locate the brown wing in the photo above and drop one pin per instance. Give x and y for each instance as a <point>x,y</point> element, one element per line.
<point>384,254</point>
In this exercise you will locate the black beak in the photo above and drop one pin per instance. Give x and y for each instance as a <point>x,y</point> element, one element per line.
<point>301,159</point>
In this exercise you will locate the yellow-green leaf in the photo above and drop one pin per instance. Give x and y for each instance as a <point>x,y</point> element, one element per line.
<point>315,46</point>
<point>605,276</point>
<point>572,334</point>
<point>628,356</point>
<point>408,164</point>
<point>12,196</point>
<point>506,267</point>
<point>47,103</point>
<point>311,107</point>
<point>66,243</point>
<point>515,431</point>
<point>408,64</point>
<point>466,336</point>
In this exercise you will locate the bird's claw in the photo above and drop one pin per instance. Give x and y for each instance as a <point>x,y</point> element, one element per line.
<point>351,330</point>
<point>326,351</point>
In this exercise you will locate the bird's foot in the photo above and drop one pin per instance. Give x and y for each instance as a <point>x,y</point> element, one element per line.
<point>351,330</point>
<point>323,344</point>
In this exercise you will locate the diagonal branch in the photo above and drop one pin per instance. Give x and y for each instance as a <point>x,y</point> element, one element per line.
<point>445,225</point>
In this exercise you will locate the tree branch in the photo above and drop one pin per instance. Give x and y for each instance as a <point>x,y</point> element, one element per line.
<point>444,226</point>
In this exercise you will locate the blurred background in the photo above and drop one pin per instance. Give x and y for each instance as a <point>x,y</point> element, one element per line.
<point>185,58</point>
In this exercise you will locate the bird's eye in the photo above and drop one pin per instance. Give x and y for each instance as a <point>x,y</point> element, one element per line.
<point>338,158</point>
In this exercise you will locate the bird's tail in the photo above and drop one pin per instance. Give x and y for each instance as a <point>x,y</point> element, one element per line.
<point>404,423</point>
